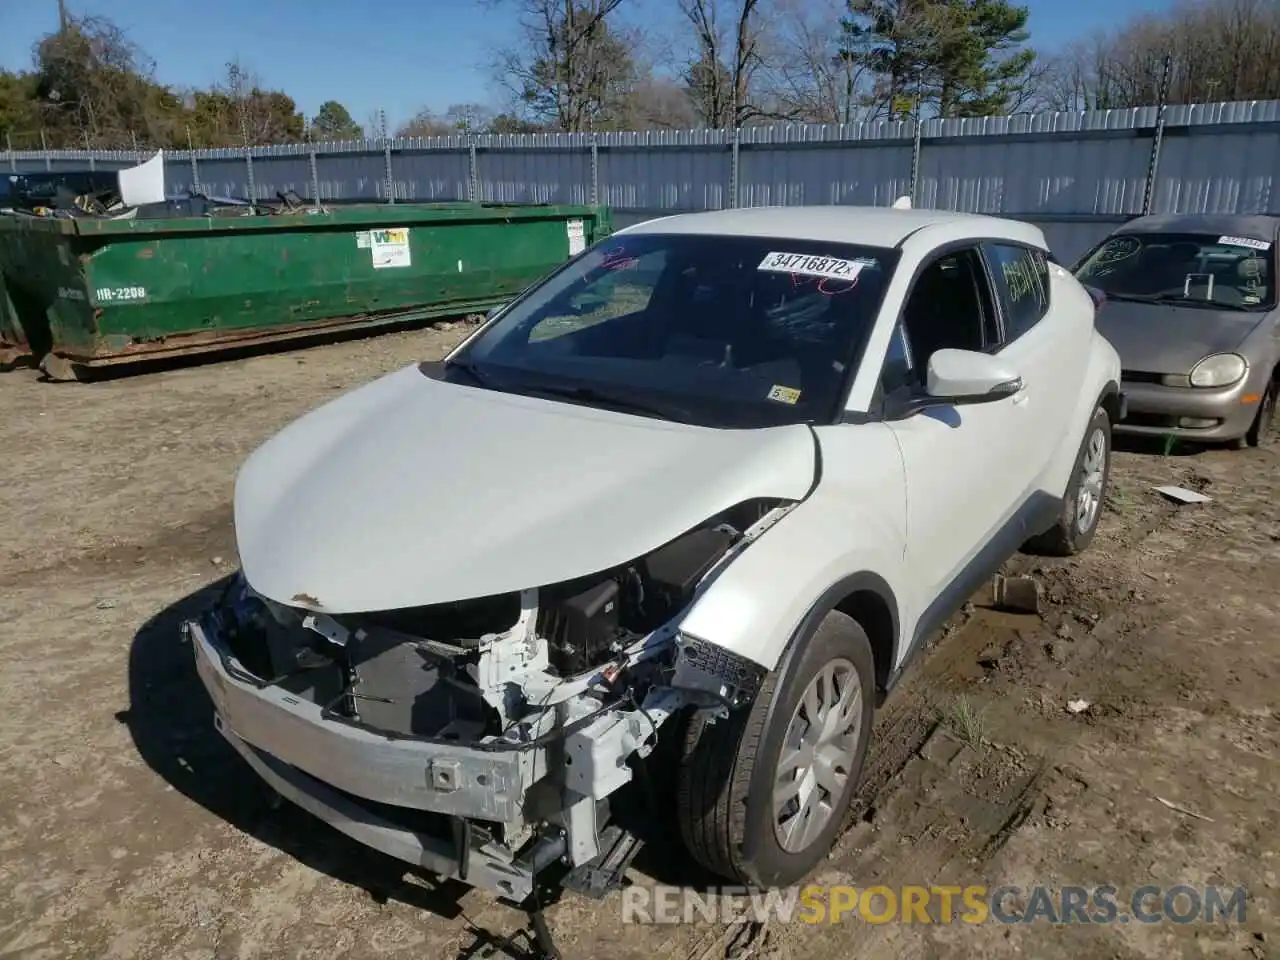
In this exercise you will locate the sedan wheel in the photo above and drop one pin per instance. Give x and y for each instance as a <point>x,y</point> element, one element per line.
<point>1263,428</point>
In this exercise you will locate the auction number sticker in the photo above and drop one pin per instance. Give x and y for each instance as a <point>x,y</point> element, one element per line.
<point>807,265</point>
<point>1249,242</point>
<point>121,294</point>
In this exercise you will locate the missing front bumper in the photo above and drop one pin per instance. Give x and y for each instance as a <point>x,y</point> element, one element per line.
<point>454,780</point>
<point>488,866</point>
<point>377,790</point>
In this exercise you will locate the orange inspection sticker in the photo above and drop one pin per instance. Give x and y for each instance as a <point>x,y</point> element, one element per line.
<point>784,394</point>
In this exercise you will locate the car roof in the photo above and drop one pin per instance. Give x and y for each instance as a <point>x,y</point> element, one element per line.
<point>1223,224</point>
<point>871,226</point>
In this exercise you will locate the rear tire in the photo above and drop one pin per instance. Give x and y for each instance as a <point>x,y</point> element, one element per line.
<point>1085,495</point>
<point>730,768</point>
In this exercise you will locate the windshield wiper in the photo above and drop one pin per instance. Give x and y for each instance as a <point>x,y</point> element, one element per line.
<point>1182,300</point>
<point>1131,297</point>
<point>471,370</point>
<point>593,397</point>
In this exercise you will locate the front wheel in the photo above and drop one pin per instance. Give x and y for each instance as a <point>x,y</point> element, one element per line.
<point>763,793</point>
<point>1085,494</point>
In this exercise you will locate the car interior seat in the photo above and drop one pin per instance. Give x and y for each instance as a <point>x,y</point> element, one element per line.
<point>943,311</point>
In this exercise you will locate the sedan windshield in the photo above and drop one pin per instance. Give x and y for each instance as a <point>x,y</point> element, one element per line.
<point>1184,268</point>
<point>716,330</point>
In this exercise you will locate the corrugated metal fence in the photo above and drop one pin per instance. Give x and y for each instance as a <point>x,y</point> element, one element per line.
<point>1075,174</point>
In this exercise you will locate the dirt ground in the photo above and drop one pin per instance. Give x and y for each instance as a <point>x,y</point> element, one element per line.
<point>128,829</point>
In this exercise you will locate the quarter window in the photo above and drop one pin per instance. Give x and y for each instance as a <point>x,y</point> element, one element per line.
<point>1022,278</point>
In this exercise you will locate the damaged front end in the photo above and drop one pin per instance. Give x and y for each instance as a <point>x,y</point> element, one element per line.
<point>482,739</point>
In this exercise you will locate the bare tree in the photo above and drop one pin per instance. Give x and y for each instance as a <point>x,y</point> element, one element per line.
<point>96,87</point>
<point>659,103</point>
<point>804,70</point>
<point>728,36</point>
<point>570,67</point>
<point>258,115</point>
<point>1220,50</point>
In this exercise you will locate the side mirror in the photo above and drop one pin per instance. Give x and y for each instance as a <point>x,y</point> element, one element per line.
<point>967,376</point>
<point>961,377</point>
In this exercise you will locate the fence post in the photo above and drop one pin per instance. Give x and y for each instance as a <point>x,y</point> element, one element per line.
<point>386,158</point>
<point>734,194</point>
<point>44,149</point>
<point>195,166</point>
<point>248,167</point>
<point>915,161</point>
<point>916,144</point>
<point>473,169</point>
<point>315,177</point>
<point>1148,193</point>
<point>595,170</point>
<point>248,162</point>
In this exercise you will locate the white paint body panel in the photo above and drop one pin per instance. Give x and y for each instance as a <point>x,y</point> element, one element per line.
<point>854,521</point>
<point>917,511</point>
<point>410,491</point>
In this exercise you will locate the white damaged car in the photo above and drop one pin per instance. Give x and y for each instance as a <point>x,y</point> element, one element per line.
<point>711,482</point>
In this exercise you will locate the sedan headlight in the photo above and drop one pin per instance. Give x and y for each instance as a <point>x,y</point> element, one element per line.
<point>1219,370</point>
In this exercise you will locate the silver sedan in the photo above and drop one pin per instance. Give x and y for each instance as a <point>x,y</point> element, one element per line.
<point>1189,302</point>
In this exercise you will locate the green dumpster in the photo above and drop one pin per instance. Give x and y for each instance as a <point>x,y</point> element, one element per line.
<point>96,292</point>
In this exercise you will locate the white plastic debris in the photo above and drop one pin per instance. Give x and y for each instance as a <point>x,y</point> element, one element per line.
<point>1077,706</point>
<point>1182,494</point>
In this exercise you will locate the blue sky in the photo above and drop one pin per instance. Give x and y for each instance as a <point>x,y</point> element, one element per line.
<point>397,55</point>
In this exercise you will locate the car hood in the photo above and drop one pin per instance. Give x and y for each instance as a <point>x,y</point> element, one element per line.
<point>411,491</point>
<point>1163,338</point>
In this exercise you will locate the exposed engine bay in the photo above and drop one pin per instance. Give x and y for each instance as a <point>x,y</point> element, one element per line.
<point>524,708</point>
<point>456,671</point>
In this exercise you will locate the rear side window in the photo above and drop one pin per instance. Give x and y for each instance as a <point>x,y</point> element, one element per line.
<point>1022,279</point>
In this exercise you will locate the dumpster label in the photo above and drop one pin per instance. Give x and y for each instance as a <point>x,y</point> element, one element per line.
<point>70,293</point>
<point>120,294</point>
<point>390,248</point>
<point>577,237</point>
<point>363,240</point>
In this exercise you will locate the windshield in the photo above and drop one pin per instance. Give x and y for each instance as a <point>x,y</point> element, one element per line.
<point>716,330</point>
<point>1187,268</point>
